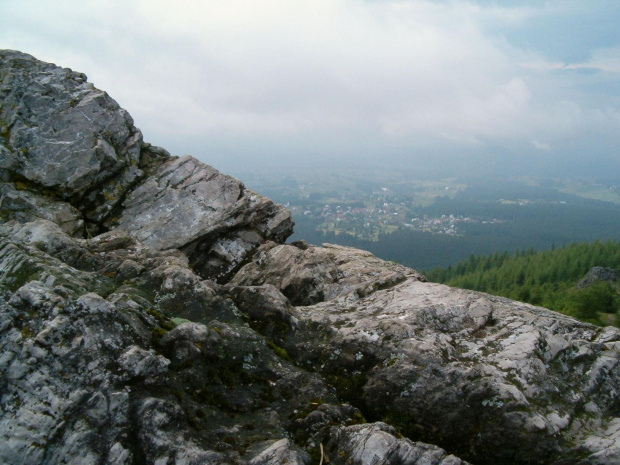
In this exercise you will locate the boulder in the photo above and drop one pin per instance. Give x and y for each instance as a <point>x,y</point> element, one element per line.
<point>487,378</point>
<point>212,217</point>
<point>308,275</point>
<point>376,444</point>
<point>63,138</point>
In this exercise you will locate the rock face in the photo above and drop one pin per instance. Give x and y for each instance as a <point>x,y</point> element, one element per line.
<point>71,155</point>
<point>210,216</point>
<point>597,274</point>
<point>150,313</point>
<point>65,138</point>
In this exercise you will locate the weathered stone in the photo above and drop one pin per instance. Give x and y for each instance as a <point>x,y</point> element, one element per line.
<point>93,369</point>
<point>64,136</point>
<point>266,308</point>
<point>140,363</point>
<point>210,216</point>
<point>25,206</point>
<point>87,370</point>
<point>375,444</point>
<point>277,453</point>
<point>463,369</point>
<point>309,275</point>
<point>186,342</point>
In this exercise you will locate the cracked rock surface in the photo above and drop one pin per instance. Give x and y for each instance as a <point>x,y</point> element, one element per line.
<point>151,313</point>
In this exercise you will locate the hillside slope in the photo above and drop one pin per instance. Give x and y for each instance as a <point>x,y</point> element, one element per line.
<point>578,279</point>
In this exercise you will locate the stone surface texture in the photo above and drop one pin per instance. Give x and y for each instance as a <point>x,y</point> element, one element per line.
<point>64,137</point>
<point>212,217</point>
<point>150,313</point>
<point>597,274</point>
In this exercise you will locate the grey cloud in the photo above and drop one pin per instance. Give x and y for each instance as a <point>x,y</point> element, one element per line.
<point>321,72</point>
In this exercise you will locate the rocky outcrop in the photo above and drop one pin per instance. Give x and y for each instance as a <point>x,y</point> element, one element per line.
<point>376,444</point>
<point>597,274</point>
<point>71,155</point>
<point>308,275</point>
<point>457,368</point>
<point>210,216</point>
<point>150,313</point>
<point>63,138</point>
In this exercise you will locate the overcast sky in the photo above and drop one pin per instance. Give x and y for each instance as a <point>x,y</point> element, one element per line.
<point>247,79</point>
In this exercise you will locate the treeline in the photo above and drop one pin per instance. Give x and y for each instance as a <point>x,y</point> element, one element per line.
<point>422,250</point>
<point>545,278</point>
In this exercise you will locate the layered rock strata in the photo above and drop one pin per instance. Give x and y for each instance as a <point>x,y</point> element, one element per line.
<point>151,313</point>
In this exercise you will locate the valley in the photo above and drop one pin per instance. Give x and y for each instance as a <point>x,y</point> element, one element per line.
<point>427,223</point>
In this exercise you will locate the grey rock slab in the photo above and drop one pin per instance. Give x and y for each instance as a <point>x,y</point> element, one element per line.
<point>468,367</point>
<point>86,376</point>
<point>308,275</point>
<point>376,444</point>
<point>138,362</point>
<point>605,446</point>
<point>64,135</point>
<point>210,216</point>
<point>264,304</point>
<point>25,206</point>
<point>277,452</point>
<point>92,369</point>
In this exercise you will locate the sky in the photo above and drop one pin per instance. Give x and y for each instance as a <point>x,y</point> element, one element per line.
<point>524,85</point>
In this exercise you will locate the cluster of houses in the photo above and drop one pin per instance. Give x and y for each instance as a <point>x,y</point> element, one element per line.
<point>376,217</point>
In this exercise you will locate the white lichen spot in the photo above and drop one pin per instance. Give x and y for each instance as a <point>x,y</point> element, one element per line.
<point>494,402</point>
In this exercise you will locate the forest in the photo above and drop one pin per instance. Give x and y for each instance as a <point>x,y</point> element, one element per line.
<point>547,278</point>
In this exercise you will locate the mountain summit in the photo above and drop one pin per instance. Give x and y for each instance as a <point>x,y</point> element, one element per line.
<point>152,313</point>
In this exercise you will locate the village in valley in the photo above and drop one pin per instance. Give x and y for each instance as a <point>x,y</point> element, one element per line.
<point>425,221</point>
<point>378,215</point>
<point>366,206</point>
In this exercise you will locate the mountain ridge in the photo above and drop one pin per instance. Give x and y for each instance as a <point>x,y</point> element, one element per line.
<point>285,353</point>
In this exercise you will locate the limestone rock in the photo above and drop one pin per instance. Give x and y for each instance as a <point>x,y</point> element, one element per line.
<point>140,363</point>
<point>461,369</point>
<point>267,310</point>
<point>279,452</point>
<point>309,275</point>
<point>63,137</point>
<point>210,216</point>
<point>71,155</point>
<point>25,206</point>
<point>375,444</point>
<point>94,369</point>
<point>85,375</point>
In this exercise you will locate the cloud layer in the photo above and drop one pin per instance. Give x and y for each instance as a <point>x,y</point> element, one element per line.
<point>387,73</point>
